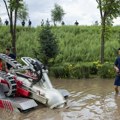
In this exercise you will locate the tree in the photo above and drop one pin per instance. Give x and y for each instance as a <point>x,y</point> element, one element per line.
<point>109,9</point>
<point>48,44</point>
<point>13,8</point>
<point>23,13</point>
<point>57,14</point>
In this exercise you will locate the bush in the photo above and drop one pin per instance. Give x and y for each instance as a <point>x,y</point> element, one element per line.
<point>47,44</point>
<point>69,70</point>
<point>94,67</point>
<point>80,71</point>
<point>59,72</point>
<point>83,70</point>
<point>106,70</point>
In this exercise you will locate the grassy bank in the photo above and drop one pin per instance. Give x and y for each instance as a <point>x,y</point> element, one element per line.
<point>77,44</point>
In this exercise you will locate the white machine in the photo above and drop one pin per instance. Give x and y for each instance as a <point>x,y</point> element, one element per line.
<point>21,90</point>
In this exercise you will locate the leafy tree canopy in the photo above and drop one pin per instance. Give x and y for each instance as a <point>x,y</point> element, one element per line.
<point>57,13</point>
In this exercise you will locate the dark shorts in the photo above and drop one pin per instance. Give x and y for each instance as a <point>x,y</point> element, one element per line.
<point>117,81</point>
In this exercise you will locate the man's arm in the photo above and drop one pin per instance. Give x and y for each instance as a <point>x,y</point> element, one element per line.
<point>116,68</point>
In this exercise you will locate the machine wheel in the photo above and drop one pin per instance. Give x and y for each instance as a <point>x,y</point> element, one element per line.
<point>12,86</point>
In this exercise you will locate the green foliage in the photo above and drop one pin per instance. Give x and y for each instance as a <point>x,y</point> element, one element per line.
<point>68,70</point>
<point>80,71</point>
<point>48,44</point>
<point>109,9</point>
<point>57,13</point>
<point>26,42</point>
<point>20,6</point>
<point>13,7</point>
<point>23,13</point>
<point>81,47</point>
<point>94,67</point>
<point>5,38</point>
<point>12,4</point>
<point>83,70</point>
<point>59,72</point>
<point>76,46</point>
<point>106,70</point>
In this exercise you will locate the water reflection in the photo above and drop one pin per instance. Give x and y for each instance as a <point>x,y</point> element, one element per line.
<point>89,100</point>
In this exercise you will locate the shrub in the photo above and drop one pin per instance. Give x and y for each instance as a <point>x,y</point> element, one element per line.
<point>80,71</point>
<point>59,72</point>
<point>47,44</point>
<point>94,67</point>
<point>106,70</point>
<point>69,70</point>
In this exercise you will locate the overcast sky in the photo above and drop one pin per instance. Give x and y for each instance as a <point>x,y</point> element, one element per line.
<point>84,11</point>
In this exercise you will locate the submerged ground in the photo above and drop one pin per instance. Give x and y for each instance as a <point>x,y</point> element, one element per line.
<point>90,99</point>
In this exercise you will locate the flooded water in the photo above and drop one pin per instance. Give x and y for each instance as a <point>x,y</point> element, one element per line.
<point>91,99</point>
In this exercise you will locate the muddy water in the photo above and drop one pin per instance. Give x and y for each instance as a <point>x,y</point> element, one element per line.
<point>91,99</point>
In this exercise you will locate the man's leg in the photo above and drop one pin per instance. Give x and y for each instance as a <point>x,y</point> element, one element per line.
<point>116,89</point>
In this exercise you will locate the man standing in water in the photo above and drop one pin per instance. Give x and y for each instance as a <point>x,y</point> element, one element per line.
<point>117,69</point>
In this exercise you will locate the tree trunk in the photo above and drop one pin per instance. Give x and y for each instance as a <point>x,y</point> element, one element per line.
<point>14,42</point>
<point>13,20</point>
<point>102,40</point>
<point>11,27</point>
<point>54,23</point>
<point>14,30</point>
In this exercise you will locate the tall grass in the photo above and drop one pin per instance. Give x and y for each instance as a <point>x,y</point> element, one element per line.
<point>76,43</point>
